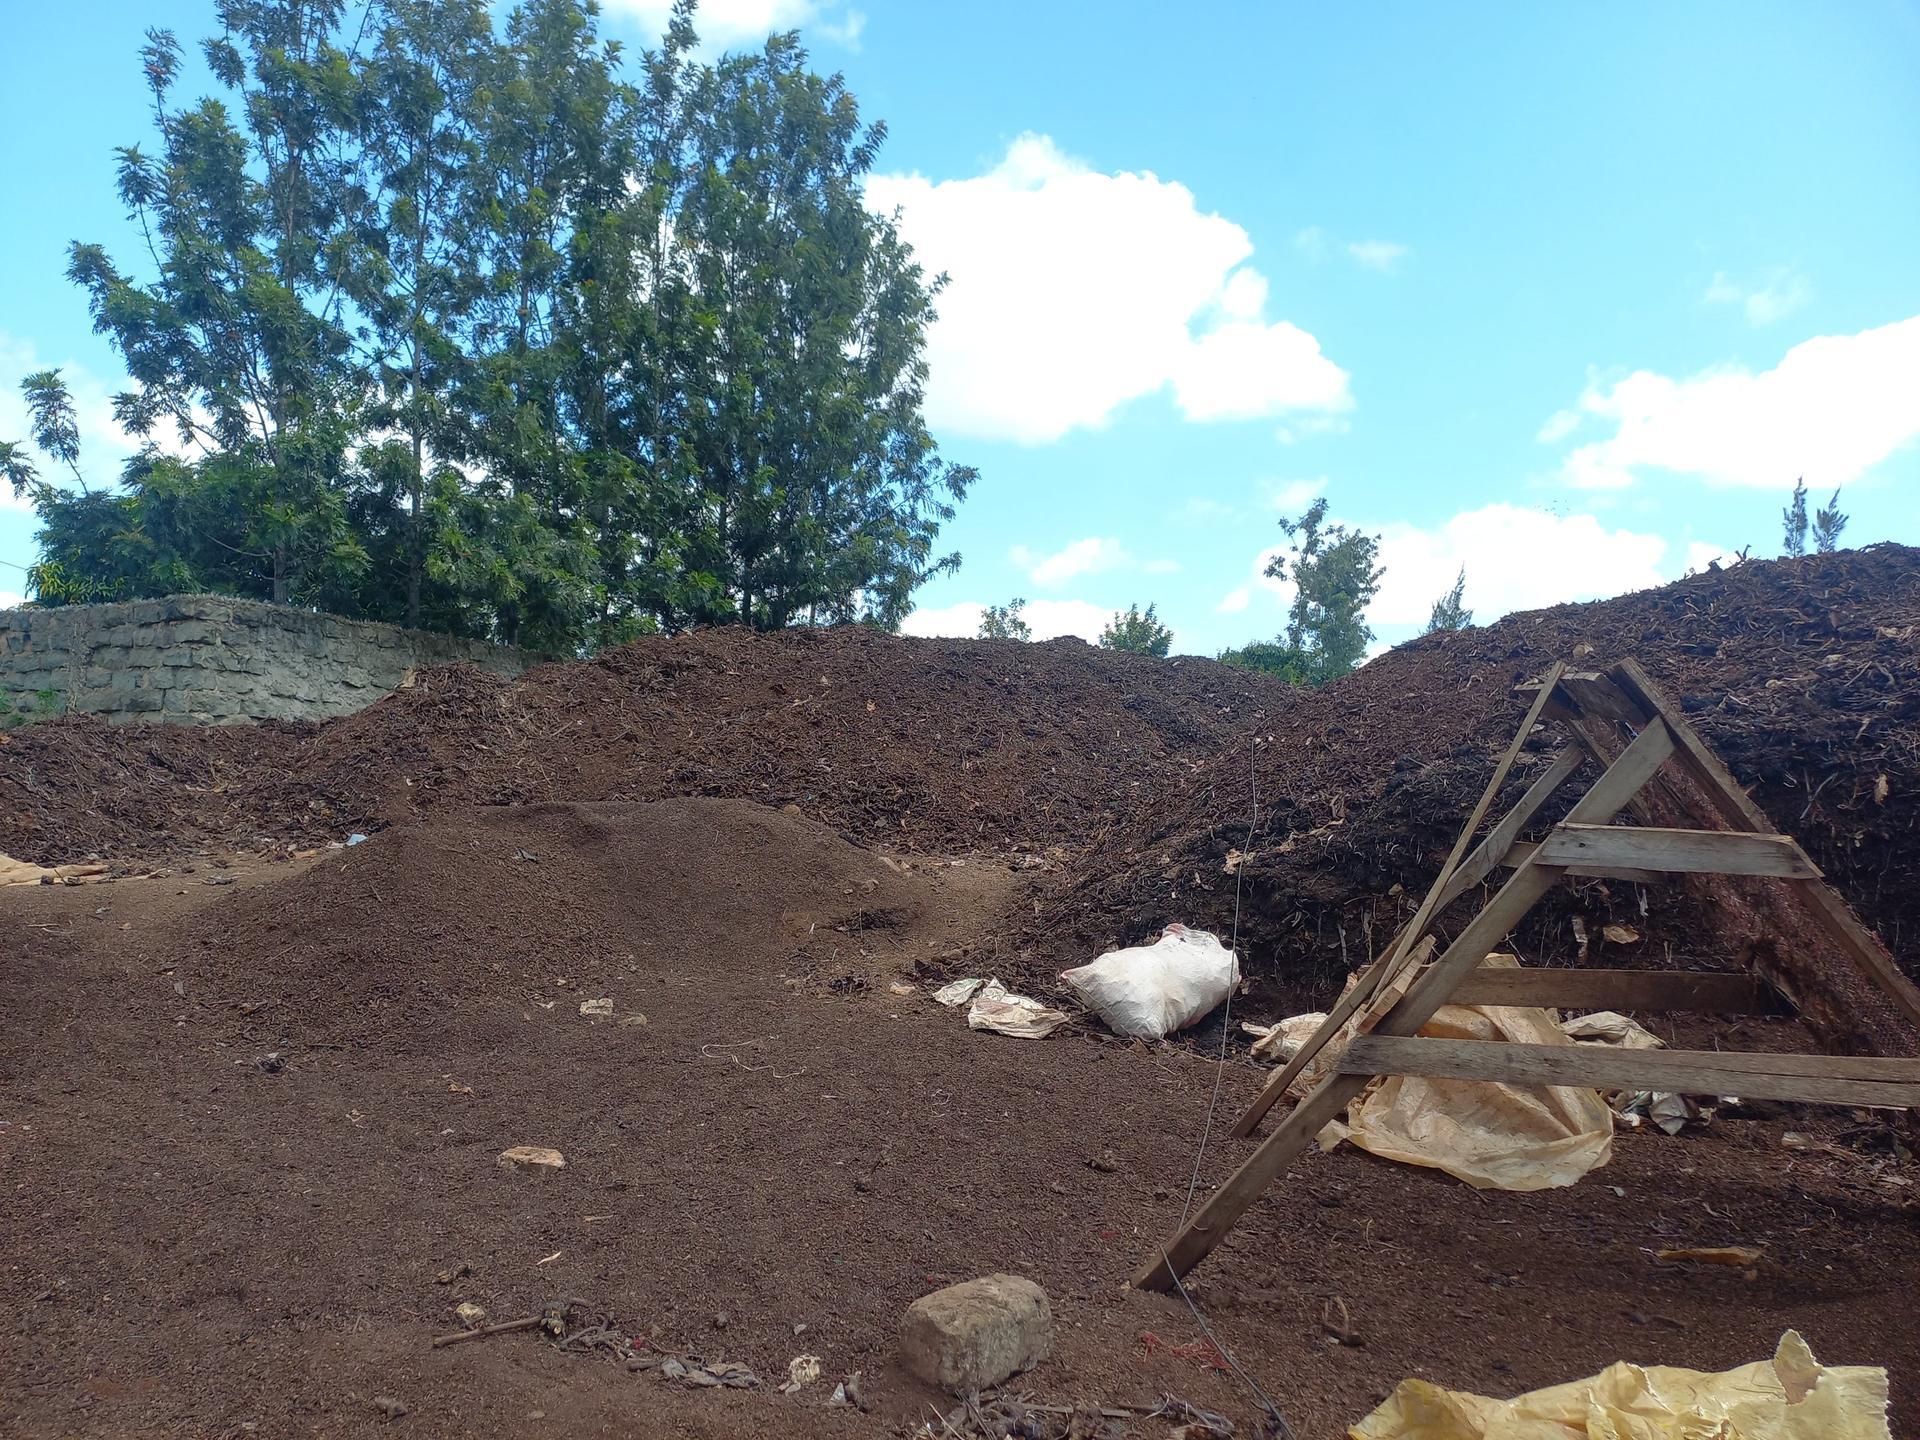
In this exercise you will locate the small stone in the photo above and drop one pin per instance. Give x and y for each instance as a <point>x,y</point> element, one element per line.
<point>1104,1163</point>
<point>597,1009</point>
<point>534,1159</point>
<point>388,1406</point>
<point>632,1022</point>
<point>470,1314</point>
<point>863,1185</point>
<point>977,1333</point>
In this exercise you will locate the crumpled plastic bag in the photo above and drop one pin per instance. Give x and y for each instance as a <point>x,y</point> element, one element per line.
<point>1790,1397</point>
<point>1277,1043</point>
<point>1492,1135</point>
<point>1610,1027</point>
<point>991,1006</point>
<point>1153,990</point>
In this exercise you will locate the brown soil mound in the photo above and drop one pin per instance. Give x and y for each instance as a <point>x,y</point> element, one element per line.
<point>1803,674</point>
<point>251,1137</point>
<point>922,744</point>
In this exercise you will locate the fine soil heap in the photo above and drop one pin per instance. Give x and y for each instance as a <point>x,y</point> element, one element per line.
<point>255,1092</point>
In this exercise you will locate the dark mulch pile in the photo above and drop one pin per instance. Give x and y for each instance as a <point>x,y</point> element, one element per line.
<point>918,744</point>
<point>1803,674</point>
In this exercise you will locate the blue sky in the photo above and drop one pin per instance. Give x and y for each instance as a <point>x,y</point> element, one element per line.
<point>1566,294</point>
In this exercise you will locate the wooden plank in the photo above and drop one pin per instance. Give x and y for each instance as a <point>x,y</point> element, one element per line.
<point>1382,973</point>
<point>1738,809</point>
<point>1701,852</point>
<point>1209,1225</point>
<point>1597,695</point>
<point>1492,851</point>
<point>1525,851</point>
<point>1822,1079</point>
<point>1697,991</point>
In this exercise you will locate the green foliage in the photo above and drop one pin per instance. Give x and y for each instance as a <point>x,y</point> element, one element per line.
<point>1272,658</point>
<point>1828,522</point>
<point>1005,622</point>
<point>1450,611</point>
<point>1137,630</point>
<point>1335,576</point>
<point>478,327</point>
<point>1794,521</point>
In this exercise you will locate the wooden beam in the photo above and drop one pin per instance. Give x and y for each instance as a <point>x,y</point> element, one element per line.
<point>1373,980</point>
<point>1708,852</point>
<point>1819,1079</point>
<point>1209,1225</point>
<point>1490,852</point>
<point>1738,809</point>
<point>1698,991</point>
<point>1526,849</point>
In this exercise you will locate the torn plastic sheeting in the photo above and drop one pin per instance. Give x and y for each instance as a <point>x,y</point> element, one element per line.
<point>1152,990</point>
<point>1492,1135</point>
<point>1790,1397</point>
<point>20,872</point>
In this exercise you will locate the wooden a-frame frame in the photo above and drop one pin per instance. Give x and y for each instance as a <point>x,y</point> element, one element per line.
<point>1595,712</point>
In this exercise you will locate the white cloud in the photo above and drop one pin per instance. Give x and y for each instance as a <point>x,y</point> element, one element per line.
<point>1162,566</point>
<point>1235,600</point>
<point>728,23</point>
<point>1832,409</point>
<point>1518,558</point>
<point>1559,426</point>
<point>1288,496</point>
<point>1312,243</point>
<point>1080,557</point>
<point>1382,255</point>
<point>8,600</point>
<point>1783,291</point>
<point>1072,291</point>
<point>1048,619</point>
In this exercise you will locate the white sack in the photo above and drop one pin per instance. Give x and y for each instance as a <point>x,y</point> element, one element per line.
<point>1153,990</point>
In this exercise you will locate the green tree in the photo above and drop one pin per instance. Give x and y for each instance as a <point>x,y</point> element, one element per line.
<point>1335,576</point>
<point>1450,611</point>
<point>1794,521</point>
<point>1828,522</point>
<point>1137,630</point>
<point>1270,657</point>
<point>1005,622</point>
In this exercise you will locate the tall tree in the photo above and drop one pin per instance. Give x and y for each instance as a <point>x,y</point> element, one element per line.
<point>236,338</point>
<point>1793,520</point>
<point>419,89</point>
<point>1828,522</point>
<point>1137,630</point>
<point>1335,575</point>
<point>1450,611</point>
<point>1005,622</point>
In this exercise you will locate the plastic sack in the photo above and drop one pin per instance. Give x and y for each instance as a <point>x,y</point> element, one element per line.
<point>1153,990</point>
<point>1790,1397</point>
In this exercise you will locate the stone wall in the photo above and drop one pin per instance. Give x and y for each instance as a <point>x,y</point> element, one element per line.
<point>213,660</point>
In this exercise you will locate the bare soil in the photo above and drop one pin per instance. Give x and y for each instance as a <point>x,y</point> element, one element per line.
<point>248,1125</point>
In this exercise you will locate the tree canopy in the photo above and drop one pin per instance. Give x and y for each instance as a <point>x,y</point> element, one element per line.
<point>486,328</point>
<point>1137,630</point>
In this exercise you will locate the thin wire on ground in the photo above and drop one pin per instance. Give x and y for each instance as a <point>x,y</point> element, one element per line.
<point>1281,1427</point>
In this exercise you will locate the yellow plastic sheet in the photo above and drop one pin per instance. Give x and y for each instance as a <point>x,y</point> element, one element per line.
<point>1491,1135</point>
<point>1790,1397</point>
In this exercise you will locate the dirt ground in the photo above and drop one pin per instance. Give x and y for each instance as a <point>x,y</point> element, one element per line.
<point>252,1108</point>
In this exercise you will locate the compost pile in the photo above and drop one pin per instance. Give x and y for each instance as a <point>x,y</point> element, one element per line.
<point>1804,674</point>
<point>914,744</point>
